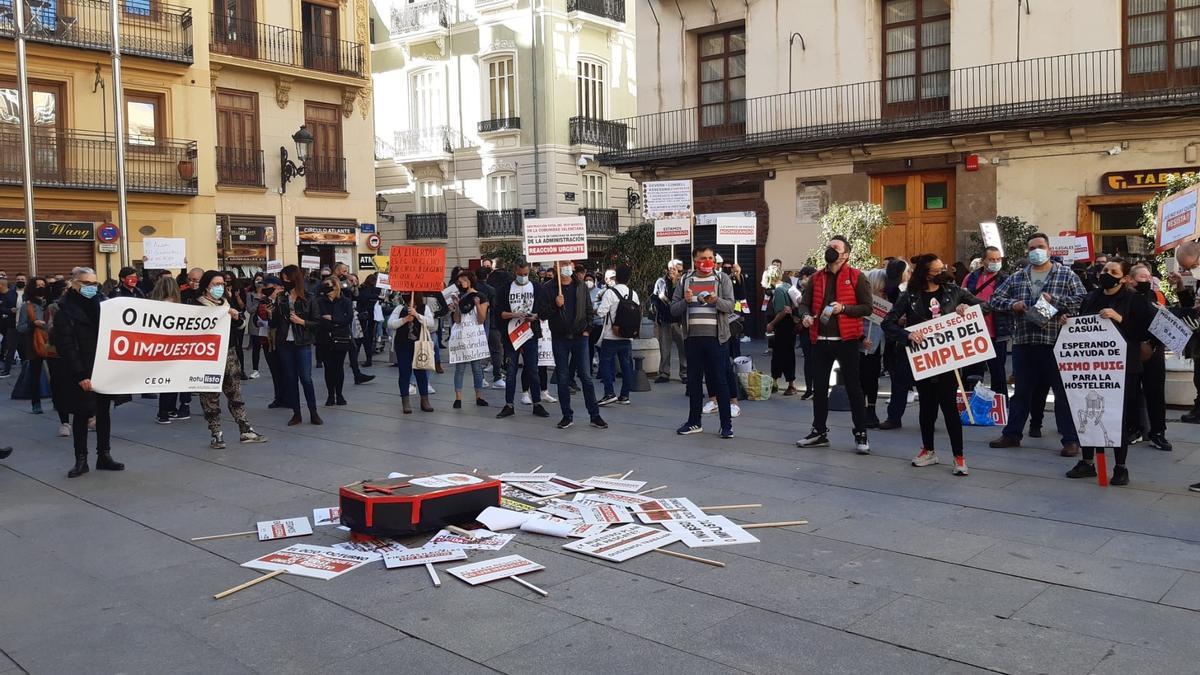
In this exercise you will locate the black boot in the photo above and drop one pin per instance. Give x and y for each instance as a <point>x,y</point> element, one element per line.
<point>105,462</point>
<point>5,452</point>
<point>872,418</point>
<point>1192,416</point>
<point>80,467</point>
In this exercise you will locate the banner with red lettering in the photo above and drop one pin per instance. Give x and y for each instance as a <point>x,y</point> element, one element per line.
<point>148,346</point>
<point>951,341</point>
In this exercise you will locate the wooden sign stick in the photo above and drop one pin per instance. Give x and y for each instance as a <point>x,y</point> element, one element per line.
<point>646,492</point>
<point>627,473</point>
<point>706,561</point>
<point>248,584</point>
<point>786,523</point>
<point>458,530</point>
<point>530,586</point>
<point>536,468</point>
<point>223,536</point>
<point>966,399</point>
<point>433,575</point>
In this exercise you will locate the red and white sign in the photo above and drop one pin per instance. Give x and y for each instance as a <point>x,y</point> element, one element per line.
<point>484,540</point>
<point>605,513</point>
<point>328,516</point>
<point>1177,219</point>
<point>671,231</point>
<point>496,568</point>
<point>148,346</point>
<point>317,562</point>
<point>422,556</point>
<point>710,531</point>
<point>737,230</point>
<point>1063,246</point>
<point>374,242</point>
<point>879,309</point>
<point>602,483</point>
<point>668,509</point>
<point>623,543</point>
<point>551,239</point>
<point>951,341</point>
<point>282,529</point>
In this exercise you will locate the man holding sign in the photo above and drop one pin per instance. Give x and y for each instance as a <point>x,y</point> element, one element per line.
<point>943,332</point>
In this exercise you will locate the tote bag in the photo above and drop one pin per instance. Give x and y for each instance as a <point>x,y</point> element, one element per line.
<point>423,356</point>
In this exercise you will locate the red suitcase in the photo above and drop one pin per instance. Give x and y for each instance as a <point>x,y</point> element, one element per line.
<point>394,507</point>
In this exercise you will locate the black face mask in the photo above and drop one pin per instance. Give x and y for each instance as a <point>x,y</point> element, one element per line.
<point>1109,282</point>
<point>287,285</point>
<point>831,255</point>
<point>268,292</point>
<point>1144,288</point>
<point>20,284</point>
<point>327,290</point>
<point>942,278</point>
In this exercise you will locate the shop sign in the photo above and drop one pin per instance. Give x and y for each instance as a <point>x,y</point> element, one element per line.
<point>49,229</point>
<point>1142,180</point>
<point>327,235</point>
<point>366,261</point>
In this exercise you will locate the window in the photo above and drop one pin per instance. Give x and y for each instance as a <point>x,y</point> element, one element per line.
<point>591,89</point>
<point>239,155</point>
<point>48,116</point>
<point>722,82</point>
<point>144,124</point>
<point>502,191</point>
<point>1162,43</point>
<point>594,196</point>
<point>502,82</point>
<point>142,8</point>
<point>326,169</point>
<point>319,25</point>
<point>429,197</point>
<point>916,62</point>
<point>428,104</point>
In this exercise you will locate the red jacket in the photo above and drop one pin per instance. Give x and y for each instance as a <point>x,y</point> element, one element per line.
<point>851,328</point>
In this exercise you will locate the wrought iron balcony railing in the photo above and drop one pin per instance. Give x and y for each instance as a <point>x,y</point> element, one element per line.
<point>87,160</point>
<point>325,174</point>
<point>501,223</point>
<point>601,133</point>
<point>1090,86</point>
<point>240,166</point>
<point>500,124</point>
<point>600,222</point>
<point>605,9</point>
<point>425,226</point>
<point>420,16</point>
<point>428,142</point>
<point>383,149</point>
<point>149,28</point>
<point>274,44</point>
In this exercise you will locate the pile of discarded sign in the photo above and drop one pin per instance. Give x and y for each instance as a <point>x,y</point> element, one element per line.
<point>609,517</point>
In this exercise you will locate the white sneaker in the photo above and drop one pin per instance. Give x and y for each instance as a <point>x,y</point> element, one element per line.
<point>735,410</point>
<point>412,390</point>
<point>912,396</point>
<point>547,398</point>
<point>485,384</point>
<point>526,399</point>
<point>960,466</point>
<point>710,407</point>
<point>64,430</point>
<point>254,375</point>
<point>745,338</point>
<point>925,458</point>
<point>431,389</point>
<point>499,384</point>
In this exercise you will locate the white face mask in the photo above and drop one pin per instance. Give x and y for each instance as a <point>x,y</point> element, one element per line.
<point>522,279</point>
<point>1038,256</point>
<point>566,270</point>
<point>993,267</point>
<point>591,284</point>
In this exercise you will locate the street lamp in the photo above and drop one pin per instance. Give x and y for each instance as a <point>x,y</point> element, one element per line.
<point>381,204</point>
<point>287,168</point>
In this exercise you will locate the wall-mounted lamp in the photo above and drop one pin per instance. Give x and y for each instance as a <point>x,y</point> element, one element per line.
<point>288,169</point>
<point>632,199</point>
<point>791,43</point>
<point>381,204</point>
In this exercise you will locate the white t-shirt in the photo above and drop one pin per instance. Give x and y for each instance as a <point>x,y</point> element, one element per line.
<point>520,298</point>
<point>608,308</point>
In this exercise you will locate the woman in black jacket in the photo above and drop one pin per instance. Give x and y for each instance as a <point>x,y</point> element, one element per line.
<point>295,320</point>
<point>235,297</point>
<point>931,293</point>
<point>74,334</point>
<point>368,296</point>
<point>1132,314</point>
<point>337,313</point>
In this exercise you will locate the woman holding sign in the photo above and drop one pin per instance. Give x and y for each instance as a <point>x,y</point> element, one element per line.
<point>407,325</point>
<point>1132,313</point>
<point>469,310</point>
<point>931,293</point>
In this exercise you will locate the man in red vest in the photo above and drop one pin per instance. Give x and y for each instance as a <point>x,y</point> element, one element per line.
<point>832,307</point>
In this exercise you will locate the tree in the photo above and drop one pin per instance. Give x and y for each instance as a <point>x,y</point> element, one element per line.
<point>1014,237</point>
<point>859,223</point>
<point>635,247</point>
<point>505,253</point>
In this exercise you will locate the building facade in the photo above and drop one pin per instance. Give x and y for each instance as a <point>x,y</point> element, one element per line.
<point>211,91</point>
<point>492,111</point>
<point>947,112</point>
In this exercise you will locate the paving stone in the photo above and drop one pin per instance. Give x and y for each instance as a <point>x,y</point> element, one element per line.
<point>1116,619</point>
<point>1185,593</point>
<point>1066,536</point>
<point>1155,550</point>
<point>1127,660</point>
<point>906,537</point>
<point>411,656</point>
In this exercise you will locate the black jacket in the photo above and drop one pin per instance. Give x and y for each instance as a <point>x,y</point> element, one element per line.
<point>306,308</point>
<point>1136,315</point>
<point>74,334</point>
<point>123,291</point>
<point>563,327</point>
<point>341,313</point>
<point>949,296</point>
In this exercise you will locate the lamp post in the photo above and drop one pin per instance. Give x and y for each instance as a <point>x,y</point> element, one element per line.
<point>287,168</point>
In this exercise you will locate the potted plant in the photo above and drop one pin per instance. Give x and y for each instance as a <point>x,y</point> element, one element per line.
<point>187,169</point>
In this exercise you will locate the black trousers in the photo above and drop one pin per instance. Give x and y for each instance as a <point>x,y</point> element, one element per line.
<point>805,340</point>
<point>870,366</point>
<point>939,393</point>
<point>335,371</point>
<point>237,338</point>
<point>1153,397</point>
<point>272,358</point>
<point>783,351</point>
<point>846,353</point>
<point>79,428</point>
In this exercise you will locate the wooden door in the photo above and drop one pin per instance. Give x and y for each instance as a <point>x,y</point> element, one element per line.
<point>239,156</point>
<point>234,29</point>
<point>320,27</point>
<point>921,209</point>
<point>325,168</point>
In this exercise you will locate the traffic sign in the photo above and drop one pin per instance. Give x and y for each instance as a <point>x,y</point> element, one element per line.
<point>108,247</point>
<point>374,242</point>
<point>108,233</point>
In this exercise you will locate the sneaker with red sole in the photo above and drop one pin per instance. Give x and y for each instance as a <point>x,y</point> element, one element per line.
<point>960,466</point>
<point>925,458</point>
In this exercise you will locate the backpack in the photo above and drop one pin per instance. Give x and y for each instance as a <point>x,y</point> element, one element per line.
<point>628,320</point>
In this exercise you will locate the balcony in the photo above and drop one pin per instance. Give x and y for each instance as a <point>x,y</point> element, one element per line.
<point>600,222</point>
<point>383,149</point>
<point>151,29</point>
<point>242,167</point>
<point>506,223</point>
<point>613,10</point>
<point>425,226</point>
<point>286,47</point>
<point>429,144</point>
<point>422,17</point>
<point>325,174</point>
<point>600,133</point>
<point>85,160</point>
<point>1055,90</point>
<point>501,124</point>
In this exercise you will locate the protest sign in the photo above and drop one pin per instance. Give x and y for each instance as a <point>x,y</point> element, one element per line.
<point>317,562</point>
<point>310,262</point>
<point>991,235</point>
<point>552,239</point>
<point>519,477</point>
<point>668,509</point>
<point>602,483</point>
<point>563,509</point>
<point>147,346</point>
<point>274,266</point>
<point>374,547</point>
<point>484,540</point>
<point>1090,353</point>
<point>671,231</point>
<point>468,340</point>
<point>667,197</point>
<point>623,543</point>
<point>710,531</point>
<point>1170,330</point>
<point>516,500</point>
<point>417,268</point>
<point>998,412</point>
<point>284,528</point>
<point>1063,247</point>
<point>555,486</point>
<point>1083,248</point>
<point>381,281</point>
<point>422,556</point>
<point>328,516</point>
<point>1176,219</point>
<point>446,480</point>
<point>545,346</point>
<point>496,568</point>
<point>951,342</point>
<point>449,292</point>
<point>737,230</point>
<point>879,309</point>
<point>495,518</point>
<point>605,513</point>
<point>619,498</point>
<point>164,253</point>
<point>551,526</point>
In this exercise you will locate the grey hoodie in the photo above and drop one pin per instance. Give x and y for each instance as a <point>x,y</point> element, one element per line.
<point>724,304</point>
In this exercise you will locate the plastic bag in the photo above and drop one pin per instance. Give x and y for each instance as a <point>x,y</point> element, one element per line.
<point>982,402</point>
<point>757,385</point>
<point>743,364</point>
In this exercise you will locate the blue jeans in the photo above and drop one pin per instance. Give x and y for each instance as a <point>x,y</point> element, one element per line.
<point>612,352</point>
<point>404,357</point>
<point>460,370</point>
<point>1034,365</point>
<point>572,358</point>
<point>529,354</point>
<point>296,364</point>
<point>707,360</point>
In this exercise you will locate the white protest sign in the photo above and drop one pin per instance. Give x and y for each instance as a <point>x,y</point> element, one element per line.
<point>274,266</point>
<point>668,509</point>
<point>496,518</point>
<point>710,531</point>
<point>551,239</point>
<point>468,341</point>
<point>1170,330</point>
<point>496,568</point>
<point>548,525</point>
<point>518,477</point>
<point>991,235</point>
<point>667,197</point>
<point>563,509</point>
<point>737,230</point>
<point>879,309</point>
<point>1091,362</point>
<point>310,262</point>
<point>623,543</point>
<point>671,231</point>
<point>605,513</point>
<point>519,332</point>
<point>164,253</point>
<point>422,556</point>
<point>1177,219</point>
<point>381,281</point>
<point>147,346</point>
<point>554,486</point>
<point>619,498</point>
<point>484,540</point>
<point>1083,249</point>
<point>951,341</point>
<point>318,562</point>
<point>328,516</point>
<point>449,292</point>
<point>374,547</point>
<point>284,528</point>
<point>601,483</point>
<point>1063,247</point>
<point>546,346</point>
<point>442,480</point>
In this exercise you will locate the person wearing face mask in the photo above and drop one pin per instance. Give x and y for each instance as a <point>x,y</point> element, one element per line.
<point>931,292</point>
<point>667,329</point>
<point>1131,313</point>
<point>1034,335</point>
<point>521,300</point>
<point>14,297</point>
<point>703,301</point>
<point>31,326</point>
<point>832,306</point>
<point>295,318</point>
<point>983,283</point>
<point>127,286</point>
<point>337,313</point>
<point>1187,259</point>
<point>570,322</point>
<point>210,292</point>
<point>187,288</point>
<point>616,348</point>
<point>1149,420</point>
